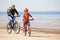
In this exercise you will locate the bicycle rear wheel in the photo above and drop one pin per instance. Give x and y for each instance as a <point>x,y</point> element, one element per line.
<point>17,28</point>
<point>9,29</point>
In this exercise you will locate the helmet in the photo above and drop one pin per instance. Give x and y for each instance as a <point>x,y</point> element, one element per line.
<point>26,10</point>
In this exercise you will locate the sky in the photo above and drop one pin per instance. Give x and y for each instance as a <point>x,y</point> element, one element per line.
<point>32,5</point>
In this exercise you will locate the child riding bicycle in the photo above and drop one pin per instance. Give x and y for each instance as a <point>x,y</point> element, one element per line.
<point>26,19</point>
<point>13,24</point>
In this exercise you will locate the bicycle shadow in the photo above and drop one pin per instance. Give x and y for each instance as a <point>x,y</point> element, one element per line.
<point>41,36</point>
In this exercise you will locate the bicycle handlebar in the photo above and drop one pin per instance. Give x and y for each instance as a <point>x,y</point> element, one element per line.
<point>17,16</point>
<point>29,19</point>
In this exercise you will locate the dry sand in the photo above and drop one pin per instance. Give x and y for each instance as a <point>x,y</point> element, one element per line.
<point>35,36</point>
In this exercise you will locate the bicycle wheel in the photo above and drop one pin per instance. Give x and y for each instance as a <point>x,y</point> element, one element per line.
<point>17,28</point>
<point>9,29</point>
<point>25,32</point>
<point>29,31</point>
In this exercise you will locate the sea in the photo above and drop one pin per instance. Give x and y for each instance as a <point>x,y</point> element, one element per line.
<point>39,17</point>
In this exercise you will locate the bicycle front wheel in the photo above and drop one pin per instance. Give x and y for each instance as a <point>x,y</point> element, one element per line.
<point>17,28</point>
<point>29,32</point>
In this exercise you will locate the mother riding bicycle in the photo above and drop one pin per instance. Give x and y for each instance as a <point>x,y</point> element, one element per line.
<point>11,12</point>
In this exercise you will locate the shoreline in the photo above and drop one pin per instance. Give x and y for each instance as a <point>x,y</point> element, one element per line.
<point>33,24</point>
<point>43,30</point>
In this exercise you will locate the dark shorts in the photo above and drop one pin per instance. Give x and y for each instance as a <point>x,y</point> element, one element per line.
<point>26,23</point>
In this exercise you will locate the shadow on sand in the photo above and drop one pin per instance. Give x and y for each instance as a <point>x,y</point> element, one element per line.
<point>41,36</point>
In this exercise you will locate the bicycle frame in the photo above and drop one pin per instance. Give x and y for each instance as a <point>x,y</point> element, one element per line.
<point>12,21</point>
<point>26,27</point>
<point>13,25</point>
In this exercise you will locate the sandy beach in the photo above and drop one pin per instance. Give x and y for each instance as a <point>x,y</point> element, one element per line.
<point>37,33</point>
<point>34,36</point>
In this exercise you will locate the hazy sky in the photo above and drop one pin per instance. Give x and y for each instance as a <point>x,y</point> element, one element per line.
<point>32,5</point>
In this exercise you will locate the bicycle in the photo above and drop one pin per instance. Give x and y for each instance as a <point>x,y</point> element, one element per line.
<point>27,29</point>
<point>13,25</point>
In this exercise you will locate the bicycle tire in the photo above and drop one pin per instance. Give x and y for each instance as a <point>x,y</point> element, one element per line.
<point>17,28</point>
<point>29,32</point>
<point>9,29</point>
